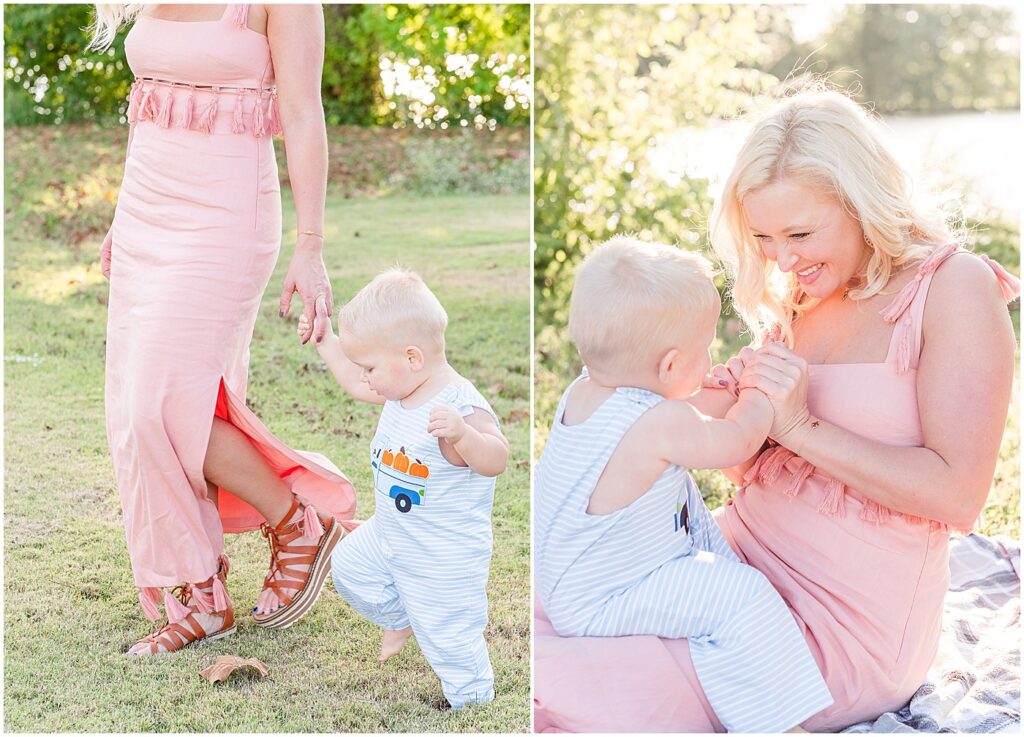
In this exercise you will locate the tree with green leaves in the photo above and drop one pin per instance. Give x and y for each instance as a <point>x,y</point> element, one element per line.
<point>432,66</point>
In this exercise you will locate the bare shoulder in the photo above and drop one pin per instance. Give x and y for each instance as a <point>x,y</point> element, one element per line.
<point>292,10</point>
<point>964,275</point>
<point>965,299</point>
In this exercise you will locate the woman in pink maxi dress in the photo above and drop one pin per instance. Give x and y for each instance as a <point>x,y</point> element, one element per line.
<point>194,239</point>
<point>865,582</point>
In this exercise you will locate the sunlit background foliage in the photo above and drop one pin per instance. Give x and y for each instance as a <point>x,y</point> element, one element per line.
<point>433,66</point>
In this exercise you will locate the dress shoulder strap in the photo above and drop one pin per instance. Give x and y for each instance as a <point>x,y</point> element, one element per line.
<point>239,14</point>
<point>907,308</point>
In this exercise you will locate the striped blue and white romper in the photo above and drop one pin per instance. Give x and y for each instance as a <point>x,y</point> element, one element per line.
<point>661,566</point>
<point>422,559</point>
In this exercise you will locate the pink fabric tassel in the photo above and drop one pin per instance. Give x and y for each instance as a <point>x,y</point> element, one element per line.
<point>241,14</point>
<point>311,525</point>
<point>754,471</point>
<point>1008,283</point>
<point>237,124</point>
<point>148,605</point>
<point>134,102</point>
<point>224,565</point>
<point>899,305</point>
<point>772,467</point>
<point>176,611</point>
<point>186,119</point>
<point>164,120</point>
<point>153,106</point>
<point>797,482</point>
<point>144,106</point>
<point>874,512</point>
<point>221,600</point>
<point>202,599</point>
<point>274,117</point>
<point>904,345</point>
<point>258,128</point>
<point>834,503</point>
<point>209,116</point>
<point>911,519</point>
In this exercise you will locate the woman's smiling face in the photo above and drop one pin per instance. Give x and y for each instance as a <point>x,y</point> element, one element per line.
<point>808,234</point>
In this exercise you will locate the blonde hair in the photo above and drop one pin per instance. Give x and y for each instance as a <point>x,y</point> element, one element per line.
<point>396,308</point>
<point>826,140</point>
<point>110,17</point>
<point>631,299</point>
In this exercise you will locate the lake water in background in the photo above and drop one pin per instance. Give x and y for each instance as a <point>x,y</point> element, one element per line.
<point>977,153</point>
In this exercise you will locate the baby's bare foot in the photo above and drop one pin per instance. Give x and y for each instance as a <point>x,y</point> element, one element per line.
<point>393,642</point>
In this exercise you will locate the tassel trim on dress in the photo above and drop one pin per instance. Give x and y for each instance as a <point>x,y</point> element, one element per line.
<point>145,103</point>
<point>767,470</point>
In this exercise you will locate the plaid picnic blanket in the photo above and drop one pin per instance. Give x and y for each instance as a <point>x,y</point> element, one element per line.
<point>974,684</point>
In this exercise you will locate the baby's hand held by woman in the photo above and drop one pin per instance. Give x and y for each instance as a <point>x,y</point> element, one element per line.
<point>447,422</point>
<point>727,375</point>
<point>305,328</point>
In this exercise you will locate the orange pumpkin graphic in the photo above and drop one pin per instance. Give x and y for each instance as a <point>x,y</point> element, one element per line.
<point>401,461</point>
<point>419,470</point>
<point>388,459</point>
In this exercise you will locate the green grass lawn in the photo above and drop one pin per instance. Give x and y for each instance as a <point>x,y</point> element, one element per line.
<point>71,608</point>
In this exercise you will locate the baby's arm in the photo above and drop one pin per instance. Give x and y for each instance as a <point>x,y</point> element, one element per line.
<point>348,375</point>
<point>687,437</point>
<point>474,439</point>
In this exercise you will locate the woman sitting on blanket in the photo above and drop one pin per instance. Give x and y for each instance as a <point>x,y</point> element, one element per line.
<point>888,355</point>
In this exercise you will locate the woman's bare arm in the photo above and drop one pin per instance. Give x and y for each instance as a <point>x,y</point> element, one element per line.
<point>296,37</point>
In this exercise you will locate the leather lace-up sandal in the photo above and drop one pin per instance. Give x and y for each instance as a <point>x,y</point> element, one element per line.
<point>297,571</point>
<point>182,603</point>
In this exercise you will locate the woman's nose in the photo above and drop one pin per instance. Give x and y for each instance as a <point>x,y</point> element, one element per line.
<point>786,259</point>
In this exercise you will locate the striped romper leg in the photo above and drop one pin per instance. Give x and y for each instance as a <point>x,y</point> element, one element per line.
<point>363,577</point>
<point>747,649</point>
<point>448,611</point>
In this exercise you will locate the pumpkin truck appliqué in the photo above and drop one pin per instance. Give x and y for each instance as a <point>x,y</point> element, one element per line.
<point>400,477</point>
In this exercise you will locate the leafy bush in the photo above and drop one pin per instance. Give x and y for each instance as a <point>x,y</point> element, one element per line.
<point>419,65</point>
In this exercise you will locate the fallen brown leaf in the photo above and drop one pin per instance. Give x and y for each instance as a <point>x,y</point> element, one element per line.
<point>225,665</point>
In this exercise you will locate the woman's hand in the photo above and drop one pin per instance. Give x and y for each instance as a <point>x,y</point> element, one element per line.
<point>727,375</point>
<point>105,249</point>
<point>782,375</point>
<point>307,275</point>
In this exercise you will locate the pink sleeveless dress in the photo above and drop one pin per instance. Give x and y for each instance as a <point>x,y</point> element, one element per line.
<point>196,235</point>
<point>865,584</point>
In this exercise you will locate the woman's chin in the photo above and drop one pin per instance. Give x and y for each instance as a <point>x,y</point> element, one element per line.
<point>822,288</point>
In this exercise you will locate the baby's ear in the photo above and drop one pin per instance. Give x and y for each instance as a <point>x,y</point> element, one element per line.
<point>414,356</point>
<point>667,364</point>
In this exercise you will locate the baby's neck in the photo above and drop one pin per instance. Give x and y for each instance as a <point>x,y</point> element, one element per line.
<point>436,378</point>
<point>617,381</point>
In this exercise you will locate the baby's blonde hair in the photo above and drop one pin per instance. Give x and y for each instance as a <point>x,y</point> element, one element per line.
<point>825,140</point>
<point>631,300</point>
<point>396,308</point>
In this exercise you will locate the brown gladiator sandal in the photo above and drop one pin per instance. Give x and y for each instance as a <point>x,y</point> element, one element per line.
<point>296,590</point>
<point>182,629</point>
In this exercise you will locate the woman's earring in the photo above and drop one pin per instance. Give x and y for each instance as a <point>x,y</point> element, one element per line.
<point>867,240</point>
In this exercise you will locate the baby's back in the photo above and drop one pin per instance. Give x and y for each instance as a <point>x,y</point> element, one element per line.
<point>584,559</point>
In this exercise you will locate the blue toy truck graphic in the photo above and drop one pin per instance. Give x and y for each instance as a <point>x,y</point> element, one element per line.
<point>401,480</point>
